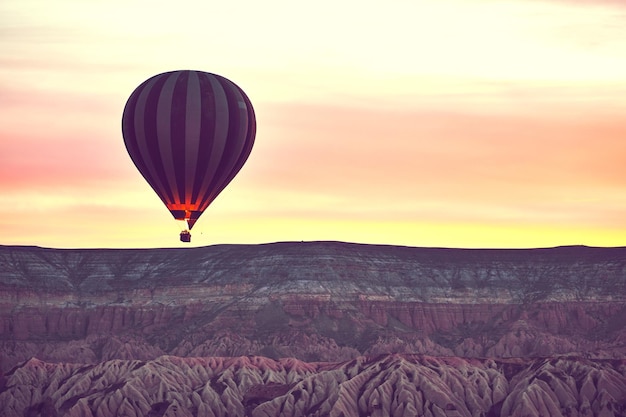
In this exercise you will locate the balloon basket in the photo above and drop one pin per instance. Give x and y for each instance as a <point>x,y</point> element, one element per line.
<point>185,236</point>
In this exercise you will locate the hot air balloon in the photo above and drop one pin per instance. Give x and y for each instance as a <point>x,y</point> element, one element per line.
<point>188,133</point>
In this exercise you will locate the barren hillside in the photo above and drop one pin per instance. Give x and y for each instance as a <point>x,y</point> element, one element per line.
<point>329,306</point>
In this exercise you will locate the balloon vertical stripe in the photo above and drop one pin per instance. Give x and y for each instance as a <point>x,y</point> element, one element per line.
<point>179,114</point>
<point>192,132</point>
<point>188,133</point>
<point>218,130</point>
<point>239,125</point>
<point>164,118</point>
<point>143,159</point>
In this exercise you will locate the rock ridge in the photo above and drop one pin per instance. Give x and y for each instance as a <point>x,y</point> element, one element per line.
<point>314,301</point>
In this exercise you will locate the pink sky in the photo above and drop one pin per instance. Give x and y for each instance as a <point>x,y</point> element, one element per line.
<point>457,123</point>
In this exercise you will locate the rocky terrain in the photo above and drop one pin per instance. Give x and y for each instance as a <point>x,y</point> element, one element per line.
<point>313,328</point>
<point>388,385</point>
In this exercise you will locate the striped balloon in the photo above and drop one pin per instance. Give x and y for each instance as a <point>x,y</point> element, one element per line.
<point>189,133</point>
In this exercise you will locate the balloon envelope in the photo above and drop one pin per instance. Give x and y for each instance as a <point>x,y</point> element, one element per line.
<point>188,133</point>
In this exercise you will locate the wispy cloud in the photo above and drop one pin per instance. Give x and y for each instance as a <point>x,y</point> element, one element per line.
<point>455,115</point>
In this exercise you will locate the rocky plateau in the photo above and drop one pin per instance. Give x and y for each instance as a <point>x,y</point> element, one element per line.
<point>313,329</point>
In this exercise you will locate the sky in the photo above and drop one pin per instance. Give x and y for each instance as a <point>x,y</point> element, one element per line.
<point>438,123</point>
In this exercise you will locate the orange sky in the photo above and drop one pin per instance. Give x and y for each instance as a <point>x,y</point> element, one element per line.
<point>457,123</point>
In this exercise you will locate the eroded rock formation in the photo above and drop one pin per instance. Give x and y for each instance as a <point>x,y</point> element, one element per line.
<point>387,385</point>
<point>330,307</point>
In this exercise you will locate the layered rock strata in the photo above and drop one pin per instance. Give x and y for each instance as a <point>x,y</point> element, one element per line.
<point>316,328</point>
<point>315,301</point>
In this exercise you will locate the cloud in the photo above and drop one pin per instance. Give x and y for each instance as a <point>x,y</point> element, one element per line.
<point>455,164</point>
<point>320,141</point>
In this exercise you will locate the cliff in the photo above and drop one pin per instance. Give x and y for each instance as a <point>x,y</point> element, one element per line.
<point>324,305</point>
